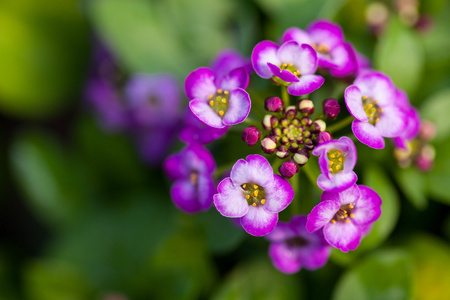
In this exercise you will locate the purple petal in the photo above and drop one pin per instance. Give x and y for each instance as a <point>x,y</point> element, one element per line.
<point>239,107</point>
<point>230,200</point>
<point>351,154</point>
<point>200,84</point>
<point>313,258</point>
<point>337,182</point>
<point>378,86</point>
<point>186,197</point>
<point>228,60</point>
<point>255,170</point>
<point>238,78</point>
<point>281,232</point>
<point>321,215</point>
<point>284,258</point>
<point>174,167</point>
<point>205,114</point>
<point>344,236</point>
<point>284,75</point>
<point>323,31</point>
<point>367,209</point>
<point>323,165</point>
<point>325,61</point>
<point>392,122</point>
<point>264,52</point>
<point>296,34</point>
<point>367,134</point>
<point>258,221</point>
<point>345,59</point>
<point>307,60</point>
<point>350,195</point>
<point>306,85</point>
<point>353,101</point>
<point>279,194</point>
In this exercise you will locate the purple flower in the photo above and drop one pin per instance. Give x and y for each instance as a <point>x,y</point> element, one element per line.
<point>254,194</point>
<point>337,160</point>
<point>293,247</point>
<point>372,101</point>
<point>191,169</point>
<point>228,60</point>
<point>345,216</point>
<point>412,120</point>
<point>327,39</point>
<point>290,64</point>
<point>195,131</point>
<point>218,101</point>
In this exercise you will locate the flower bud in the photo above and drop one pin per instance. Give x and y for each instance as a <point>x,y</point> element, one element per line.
<point>269,144</point>
<point>308,144</point>
<point>301,157</point>
<point>276,131</point>
<point>282,152</point>
<point>269,122</point>
<point>251,135</point>
<point>290,112</point>
<point>284,140</point>
<point>427,130</point>
<point>288,168</point>
<point>273,104</point>
<point>331,108</point>
<point>323,137</point>
<point>293,147</point>
<point>425,160</point>
<point>306,121</point>
<point>318,125</point>
<point>306,107</point>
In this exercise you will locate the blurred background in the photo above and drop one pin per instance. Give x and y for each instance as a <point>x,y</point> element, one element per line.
<point>85,211</point>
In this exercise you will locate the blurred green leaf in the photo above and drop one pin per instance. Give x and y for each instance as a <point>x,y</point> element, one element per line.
<point>400,54</point>
<point>383,275</point>
<point>47,177</point>
<point>43,51</point>
<point>439,176</point>
<point>413,184</point>
<point>436,109</point>
<point>55,280</point>
<point>258,280</point>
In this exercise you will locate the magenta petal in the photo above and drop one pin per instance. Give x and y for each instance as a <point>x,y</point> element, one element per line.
<point>279,194</point>
<point>367,134</point>
<point>392,122</point>
<point>205,114</point>
<point>337,182</point>
<point>307,60</point>
<point>351,158</point>
<point>186,197</point>
<point>353,101</point>
<point>258,221</point>
<point>298,35</point>
<point>264,52</point>
<point>284,75</point>
<point>238,78</point>
<point>344,236</point>
<point>280,233</point>
<point>200,84</point>
<point>284,258</point>
<point>326,61</point>
<point>367,209</point>
<point>313,258</point>
<point>239,107</point>
<point>350,195</point>
<point>255,170</point>
<point>230,200</point>
<point>324,31</point>
<point>378,86</point>
<point>345,58</point>
<point>321,215</point>
<point>306,85</point>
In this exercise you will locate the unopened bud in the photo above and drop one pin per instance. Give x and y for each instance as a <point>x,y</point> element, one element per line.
<point>306,121</point>
<point>269,144</point>
<point>276,131</point>
<point>273,104</point>
<point>293,147</point>
<point>301,157</point>
<point>306,107</point>
<point>323,137</point>
<point>290,112</point>
<point>427,130</point>
<point>282,152</point>
<point>331,108</point>
<point>308,144</point>
<point>425,160</point>
<point>318,125</point>
<point>269,122</point>
<point>251,135</point>
<point>288,168</point>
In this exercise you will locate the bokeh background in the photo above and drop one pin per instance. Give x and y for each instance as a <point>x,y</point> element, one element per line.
<point>84,216</point>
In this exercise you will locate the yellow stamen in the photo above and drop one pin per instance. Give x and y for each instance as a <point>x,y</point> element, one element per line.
<point>338,167</point>
<point>224,100</point>
<point>381,110</point>
<point>247,197</point>
<point>255,186</point>
<point>377,120</point>
<point>226,92</point>
<point>352,215</point>
<point>351,206</point>
<point>290,64</point>
<point>333,221</point>
<point>364,97</point>
<point>255,194</point>
<point>263,201</point>
<point>210,97</point>
<point>254,204</point>
<point>221,112</point>
<point>331,163</point>
<point>244,185</point>
<point>218,98</point>
<point>330,169</point>
<point>370,116</point>
<point>332,155</point>
<point>284,65</point>
<point>339,152</point>
<point>211,103</point>
<point>347,221</point>
<point>219,91</point>
<point>369,105</point>
<point>340,159</point>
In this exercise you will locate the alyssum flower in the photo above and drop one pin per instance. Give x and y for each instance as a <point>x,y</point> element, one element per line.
<point>345,216</point>
<point>254,194</point>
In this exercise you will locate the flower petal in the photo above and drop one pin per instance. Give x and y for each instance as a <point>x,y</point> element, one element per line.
<point>284,258</point>
<point>258,221</point>
<point>313,258</point>
<point>367,134</point>
<point>345,57</point>
<point>230,200</point>
<point>350,195</point>
<point>351,154</point>
<point>255,170</point>
<point>238,78</point>
<point>200,84</point>
<point>280,233</point>
<point>378,86</point>
<point>184,196</point>
<point>321,215</point>
<point>368,207</point>
<point>326,32</point>
<point>307,60</point>
<point>284,75</point>
<point>353,101</point>
<point>298,35</point>
<point>264,52</point>
<point>238,108</point>
<point>205,114</point>
<point>392,122</point>
<point>337,182</point>
<point>344,236</point>
<point>279,194</point>
<point>306,85</point>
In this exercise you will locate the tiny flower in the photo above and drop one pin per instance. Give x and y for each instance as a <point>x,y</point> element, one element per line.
<point>331,108</point>
<point>288,168</point>
<point>191,169</point>
<point>273,104</point>
<point>218,102</point>
<point>337,158</point>
<point>251,135</point>
<point>344,216</point>
<point>254,194</point>
<point>306,107</point>
<point>372,101</point>
<point>290,64</point>
<point>293,247</point>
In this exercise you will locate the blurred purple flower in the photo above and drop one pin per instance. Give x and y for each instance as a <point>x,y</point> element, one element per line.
<point>194,131</point>
<point>254,194</point>
<point>228,60</point>
<point>412,120</point>
<point>293,247</point>
<point>192,170</point>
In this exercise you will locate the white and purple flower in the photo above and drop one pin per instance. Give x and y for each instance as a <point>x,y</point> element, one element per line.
<point>292,247</point>
<point>254,194</point>
<point>412,121</point>
<point>218,101</point>
<point>290,64</point>
<point>327,39</point>
<point>195,131</point>
<point>372,101</point>
<point>192,170</point>
<point>345,216</point>
<point>337,158</point>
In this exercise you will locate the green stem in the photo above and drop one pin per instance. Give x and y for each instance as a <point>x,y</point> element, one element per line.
<point>251,121</point>
<point>295,204</point>
<point>285,96</point>
<point>341,124</point>
<point>310,174</point>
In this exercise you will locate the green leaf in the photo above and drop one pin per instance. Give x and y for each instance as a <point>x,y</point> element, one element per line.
<point>258,280</point>
<point>400,54</point>
<point>436,109</point>
<point>439,176</point>
<point>385,274</point>
<point>413,184</point>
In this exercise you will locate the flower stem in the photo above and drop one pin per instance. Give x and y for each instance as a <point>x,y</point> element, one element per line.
<point>310,174</point>
<point>295,204</point>
<point>341,124</point>
<point>251,121</point>
<point>285,96</point>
